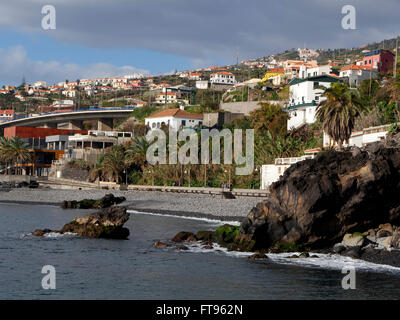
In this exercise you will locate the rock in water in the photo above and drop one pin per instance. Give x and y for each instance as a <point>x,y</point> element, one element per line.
<point>107,201</point>
<point>318,201</point>
<point>107,223</point>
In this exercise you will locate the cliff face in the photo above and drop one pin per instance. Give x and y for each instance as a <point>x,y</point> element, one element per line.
<point>318,201</point>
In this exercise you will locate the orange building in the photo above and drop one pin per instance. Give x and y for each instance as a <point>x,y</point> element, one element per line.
<point>42,133</point>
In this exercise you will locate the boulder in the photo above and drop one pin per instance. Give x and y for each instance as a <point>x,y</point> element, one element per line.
<point>107,201</point>
<point>353,240</point>
<point>317,201</point>
<point>396,239</point>
<point>384,242</point>
<point>106,223</point>
<point>339,247</point>
<point>207,236</point>
<point>183,236</point>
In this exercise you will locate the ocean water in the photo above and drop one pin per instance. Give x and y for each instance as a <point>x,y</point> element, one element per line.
<point>134,269</point>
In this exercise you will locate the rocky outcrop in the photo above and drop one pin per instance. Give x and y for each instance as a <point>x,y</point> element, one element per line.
<point>318,201</point>
<point>379,245</point>
<point>107,201</point>
<point>107,223</point>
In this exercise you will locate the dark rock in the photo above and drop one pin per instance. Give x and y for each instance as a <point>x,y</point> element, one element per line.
<point>228,195</point>
<point>208,247</point>
<point>107,201</point>
<point>304,255</point>
<point>391,258</point>
<point>338,248</point>
<point>184,248</point>
<point>182,236</point>
<point>208,236</point>
<point>107,223</point>
<point>317,201</point>
<point>41,233</point>
<point>353,252</point>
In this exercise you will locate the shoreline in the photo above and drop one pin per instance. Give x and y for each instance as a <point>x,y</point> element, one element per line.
<point>174,205</point>
<point>170,213</point>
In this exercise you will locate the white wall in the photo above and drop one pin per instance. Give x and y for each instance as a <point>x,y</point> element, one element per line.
<point>173,122</point>
<point>270,173</point>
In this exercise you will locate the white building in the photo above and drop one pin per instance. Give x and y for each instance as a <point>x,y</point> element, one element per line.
<point>202,84</point>
<point>167,98</point>
<point>222,77</point>
<point>271,173</point>
<point>40,84</point>
<point>314,71</point>
<point>175,119</point>
<point>355,74</point>
<point>305,96</point>
<point>361,138</point>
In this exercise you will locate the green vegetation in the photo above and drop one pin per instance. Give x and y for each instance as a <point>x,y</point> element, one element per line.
<point>338,112</point>
<point>13,152</point>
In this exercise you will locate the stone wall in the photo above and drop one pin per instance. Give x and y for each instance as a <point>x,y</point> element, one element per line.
<point>244,107</point>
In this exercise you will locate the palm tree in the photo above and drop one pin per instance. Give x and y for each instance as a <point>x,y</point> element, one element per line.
<point>136,151</point>
<point>114,162</point>
<point>13,150</point>
<point>338,112</point>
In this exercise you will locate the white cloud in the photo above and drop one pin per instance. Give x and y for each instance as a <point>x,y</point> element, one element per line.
<point>206,30</point>
<point>15,64</point>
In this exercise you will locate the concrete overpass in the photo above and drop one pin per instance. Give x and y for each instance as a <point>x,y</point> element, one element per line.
<point>74,119</point>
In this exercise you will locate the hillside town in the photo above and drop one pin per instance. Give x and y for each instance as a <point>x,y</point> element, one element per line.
<point>74,129</point>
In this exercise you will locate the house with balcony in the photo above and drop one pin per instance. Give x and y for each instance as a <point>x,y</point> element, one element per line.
<point>305,96</point>
<point>379,59</point>
<point>175,119</point>
<point>222,77</point>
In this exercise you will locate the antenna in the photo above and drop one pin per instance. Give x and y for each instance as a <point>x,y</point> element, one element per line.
<point>237,56</point>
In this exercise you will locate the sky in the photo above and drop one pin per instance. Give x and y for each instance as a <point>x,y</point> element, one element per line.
<point>99,38</point>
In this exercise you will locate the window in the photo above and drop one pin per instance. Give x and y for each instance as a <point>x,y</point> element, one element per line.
<point>183,122</point>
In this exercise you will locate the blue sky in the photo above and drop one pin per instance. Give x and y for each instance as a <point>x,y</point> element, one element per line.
<point>95,38</point>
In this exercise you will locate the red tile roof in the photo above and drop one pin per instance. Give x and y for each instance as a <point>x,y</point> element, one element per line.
<point>356,67</point>
<point>176,113</point>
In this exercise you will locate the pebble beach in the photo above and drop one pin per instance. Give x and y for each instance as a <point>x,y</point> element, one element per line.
<point>194,205</point>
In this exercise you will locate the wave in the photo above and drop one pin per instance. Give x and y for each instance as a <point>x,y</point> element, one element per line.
<point>324,261</point>
<point>214,221</point>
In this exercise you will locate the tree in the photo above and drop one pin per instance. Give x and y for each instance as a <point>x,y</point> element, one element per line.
<point>136,152</point>
<point>270,117</point>
<point>113,162</point>
<point>13,150</point>
<point>338,112</point>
